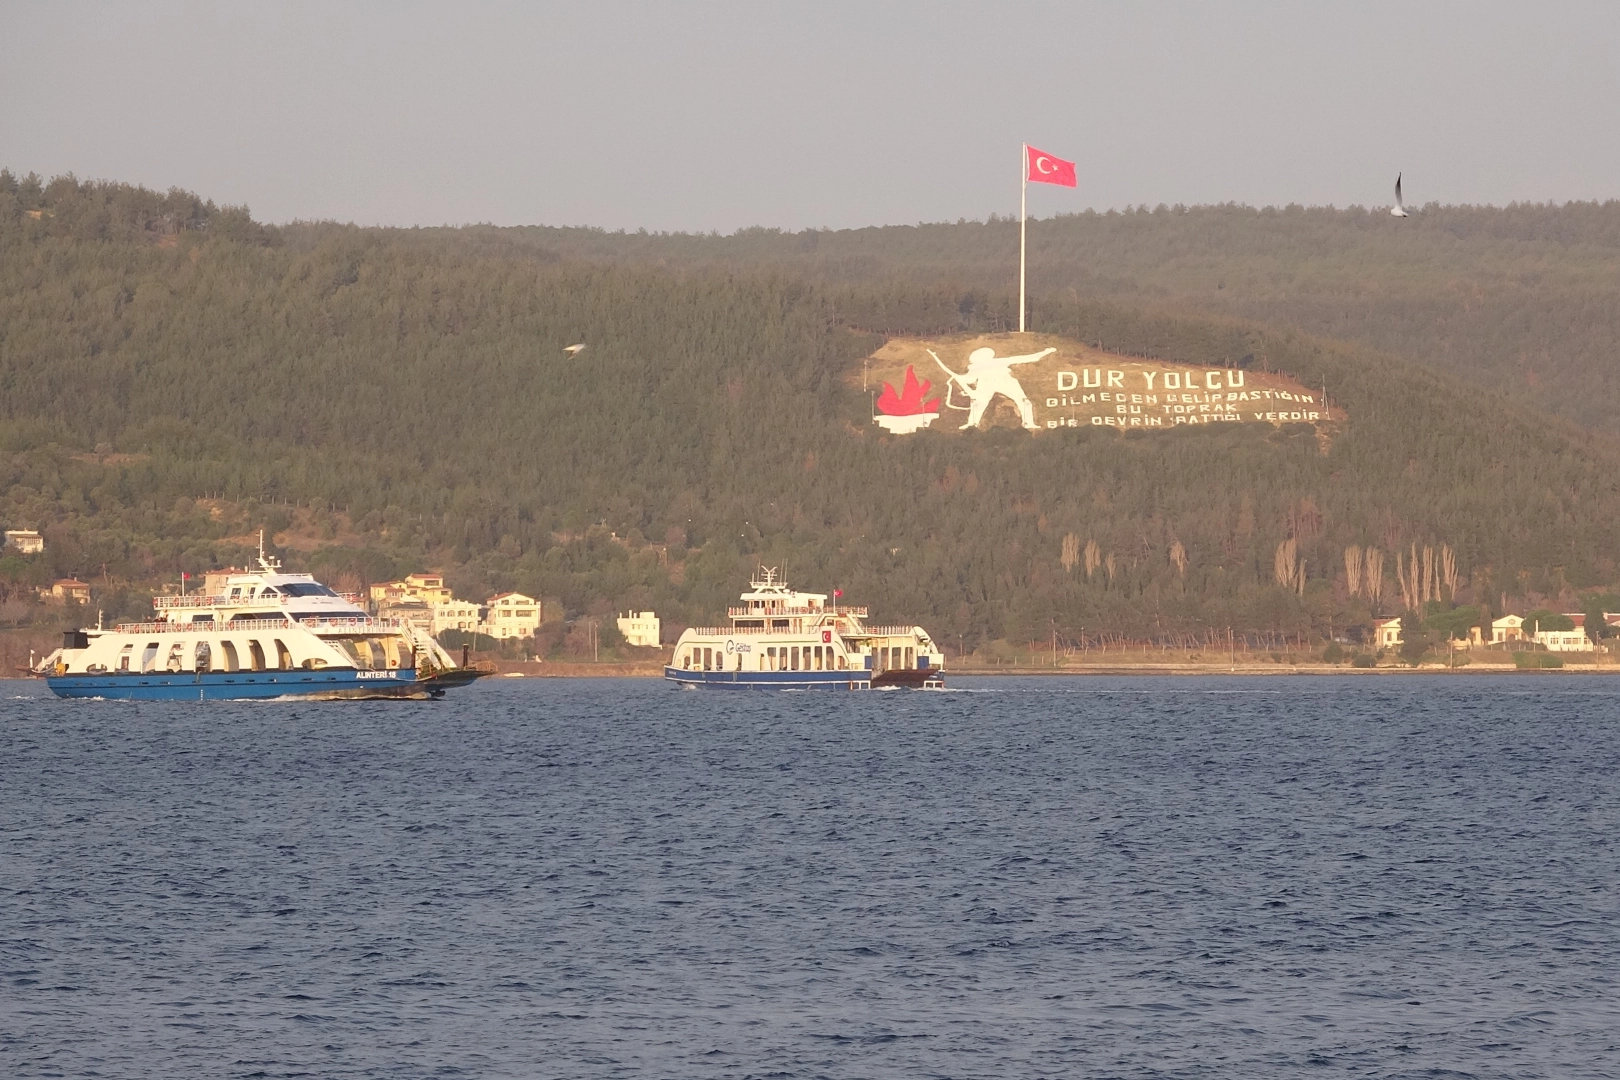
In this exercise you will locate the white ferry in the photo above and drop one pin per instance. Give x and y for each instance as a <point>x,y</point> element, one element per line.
<point>266,635</point>
<point>782,639</point>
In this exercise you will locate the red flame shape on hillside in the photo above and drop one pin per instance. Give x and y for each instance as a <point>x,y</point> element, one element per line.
<point>910,401</point>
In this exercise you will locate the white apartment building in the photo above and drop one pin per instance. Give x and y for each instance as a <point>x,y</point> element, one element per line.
<point>640,628</point>
<point>456,615</point>
<point>511,615</point>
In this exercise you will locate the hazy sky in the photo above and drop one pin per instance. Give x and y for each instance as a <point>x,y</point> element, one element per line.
<point>715,116</point>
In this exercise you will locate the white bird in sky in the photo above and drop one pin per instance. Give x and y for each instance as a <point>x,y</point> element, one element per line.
<point>574,350</point>
<point>1399,209</point>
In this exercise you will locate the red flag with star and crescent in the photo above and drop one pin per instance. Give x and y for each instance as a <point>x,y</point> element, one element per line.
<point>1046,169</point>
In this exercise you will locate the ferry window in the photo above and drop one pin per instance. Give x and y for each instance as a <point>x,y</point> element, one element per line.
<point>231,662</point>
<point>818,657</point>
<point>768,661</point>
<point>176,656</point>
<point>794,655</point>
<point>256,654</point>
<point>306,588</point>
<point>283,656</point>
<point>236,593</point>
<point>266,592</point>
<point>843,663</point>
<point>123,657</point>
<point>204,657</point>
<point>911,657</point>
<point>739,661</point>
<point>149,656</point>
<point>707,659</point>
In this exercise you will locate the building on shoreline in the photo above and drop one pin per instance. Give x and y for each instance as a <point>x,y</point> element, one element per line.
<point>1574,640</point>
<point>1507,628</point>
<point>463,615</point>
<point>640,629</point>
<point>1387,633</point>
<point>511,615</point>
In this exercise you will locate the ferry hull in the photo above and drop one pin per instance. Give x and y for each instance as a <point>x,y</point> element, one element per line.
<point>771,680</point>
<point>910,678</point>
<point>252,685</point>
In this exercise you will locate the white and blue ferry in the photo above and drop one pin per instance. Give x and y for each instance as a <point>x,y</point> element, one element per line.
<point>782,639</point>
<point>266,634</point>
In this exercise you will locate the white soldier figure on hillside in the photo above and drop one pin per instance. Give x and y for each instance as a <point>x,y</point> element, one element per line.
<point>988,375</point>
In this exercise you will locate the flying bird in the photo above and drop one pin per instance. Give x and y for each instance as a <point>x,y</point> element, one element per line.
<point>574,350</point>
<point>1399,209</point>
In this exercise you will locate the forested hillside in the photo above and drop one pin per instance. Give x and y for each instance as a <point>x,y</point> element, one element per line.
<point>1523,298</point>
<point>176,376</point>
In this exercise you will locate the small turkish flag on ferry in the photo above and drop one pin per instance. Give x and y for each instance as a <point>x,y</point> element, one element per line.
<point>1046,169</point>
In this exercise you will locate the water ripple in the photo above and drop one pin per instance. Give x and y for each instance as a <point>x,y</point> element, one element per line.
<point>1111,877</point>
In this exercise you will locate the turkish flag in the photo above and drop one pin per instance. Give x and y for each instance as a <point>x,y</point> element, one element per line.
<point>1046,169</point>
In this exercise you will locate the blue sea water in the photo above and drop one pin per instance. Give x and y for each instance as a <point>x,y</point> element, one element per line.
<point>1220,877</point>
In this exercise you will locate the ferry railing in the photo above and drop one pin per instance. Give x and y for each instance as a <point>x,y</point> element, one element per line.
<point>355,625</point>
<point>847,632</point>
<point>200,627</point>
<point>163,603</point>
<point>777,613</point>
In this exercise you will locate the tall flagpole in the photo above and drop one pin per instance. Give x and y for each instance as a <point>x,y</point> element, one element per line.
<point>1023,227</point>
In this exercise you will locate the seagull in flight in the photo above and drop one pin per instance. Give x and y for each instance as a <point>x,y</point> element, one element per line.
<point>1399,209</point>
<point>574,350</point>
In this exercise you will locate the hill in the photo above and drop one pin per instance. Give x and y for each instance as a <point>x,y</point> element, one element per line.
<point>1519,298</point>
<point>383,400</point>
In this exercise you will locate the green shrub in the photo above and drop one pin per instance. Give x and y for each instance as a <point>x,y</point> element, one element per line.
<point>1333,654</point>
<point>1363,660</point>
<point>1534,660</point>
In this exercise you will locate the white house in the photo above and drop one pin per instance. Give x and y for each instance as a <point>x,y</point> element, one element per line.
<point>26,541</point>
<point>1507,628</point>
<point>1387,633</point>
<point>640,628</point>
<point>1567,640</point>
<point>456,615</point>
<point>511,615</point>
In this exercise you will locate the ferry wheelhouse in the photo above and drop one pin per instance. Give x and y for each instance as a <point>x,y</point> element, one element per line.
<point>783,639</point>
<point>266,635</point>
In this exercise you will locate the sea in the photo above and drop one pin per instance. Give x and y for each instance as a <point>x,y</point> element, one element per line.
<point>1040,877</point>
